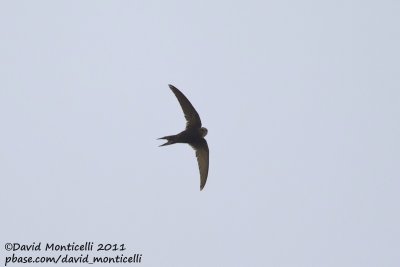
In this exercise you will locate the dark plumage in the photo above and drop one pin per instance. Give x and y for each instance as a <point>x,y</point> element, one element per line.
<point>193,135</point>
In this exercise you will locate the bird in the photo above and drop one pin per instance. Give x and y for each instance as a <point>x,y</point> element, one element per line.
<point>193,135</point>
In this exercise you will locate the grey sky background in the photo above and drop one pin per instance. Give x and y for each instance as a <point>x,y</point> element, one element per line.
<point>301,100</point>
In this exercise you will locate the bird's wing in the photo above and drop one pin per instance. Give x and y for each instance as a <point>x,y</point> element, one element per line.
<point>202,154</point>
<point>191,115</point>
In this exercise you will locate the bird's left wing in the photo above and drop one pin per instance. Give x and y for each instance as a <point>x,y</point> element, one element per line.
<point>191,115</point>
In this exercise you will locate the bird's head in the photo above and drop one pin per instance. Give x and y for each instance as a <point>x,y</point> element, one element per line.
<point>203,131</point>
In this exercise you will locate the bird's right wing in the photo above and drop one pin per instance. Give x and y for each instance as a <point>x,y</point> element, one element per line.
<point>191,115</point>
<point>202,154</point>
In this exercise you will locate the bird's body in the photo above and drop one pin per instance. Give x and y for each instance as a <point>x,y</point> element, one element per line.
<point>193,135</point>
<point>190,136</point>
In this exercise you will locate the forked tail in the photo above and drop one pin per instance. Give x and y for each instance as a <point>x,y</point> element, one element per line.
<point>169,138</point>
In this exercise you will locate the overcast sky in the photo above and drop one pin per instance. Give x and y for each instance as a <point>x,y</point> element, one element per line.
<point>302,104</point>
